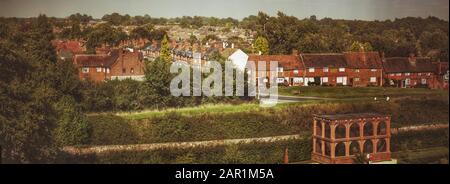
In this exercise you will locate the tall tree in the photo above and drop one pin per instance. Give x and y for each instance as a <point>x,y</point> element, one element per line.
<point>261,45</point>
<point>165,50</point>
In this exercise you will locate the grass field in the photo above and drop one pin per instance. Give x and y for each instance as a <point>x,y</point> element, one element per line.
<point>437,155</point>
<point>355,92</point>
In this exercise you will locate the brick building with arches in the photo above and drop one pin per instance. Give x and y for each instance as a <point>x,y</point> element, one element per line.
<point>337,139</point>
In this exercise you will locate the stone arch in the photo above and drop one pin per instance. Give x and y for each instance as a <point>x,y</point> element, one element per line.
<point>381,145</point>
<point>318,146</point>
<point>354,130</point>
<point>340,149</point>
<point>354,148</point>
<point>368,129</point>
<point>327,130</point>
<point>368,146</point>
<point>340,131</point>
<point>382,128</point>
<point>319,129</point>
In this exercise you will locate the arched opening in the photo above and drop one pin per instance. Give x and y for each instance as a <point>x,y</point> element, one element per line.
<point>327,130</point>
<point>340,131</point>
<point>319,146</point>
<point>368,146</point>
<point>327,149</point>
<point>354,148</point>
<point>368,129</point>
<point>354,130</point>
<point>340,149</point>
<point>319,129</point>
<point>381,145</point>
<point>381,129</point>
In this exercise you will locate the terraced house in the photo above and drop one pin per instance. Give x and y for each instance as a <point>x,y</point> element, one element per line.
<point>115,64</point>
<point>409,72</point>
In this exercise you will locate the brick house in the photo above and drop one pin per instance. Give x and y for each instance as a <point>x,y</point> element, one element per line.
<point>442,75</point>
<point>409,72</point>
<point>66,49</point>
<point>364,69</point>
<point>325,69</point>
<point>290,68</point>
<point>117,64</point>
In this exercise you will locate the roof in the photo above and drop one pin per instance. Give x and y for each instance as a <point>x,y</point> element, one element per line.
<point>363,60</point>
<point>407,64</point>
<point>74,46</point>
<point>350,116</point>
<point>324,60</point>
<point>288,62</point>
<point>95,60</point>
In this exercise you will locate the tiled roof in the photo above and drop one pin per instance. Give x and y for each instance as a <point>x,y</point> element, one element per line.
<point>363,60</point>
<point>75,47</point>
<point>92,60</point>
<point>406,64</point>
<point>288,62</point>
<point>324,60</point>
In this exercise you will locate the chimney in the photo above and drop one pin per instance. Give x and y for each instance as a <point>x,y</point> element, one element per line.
<point>295,52</point>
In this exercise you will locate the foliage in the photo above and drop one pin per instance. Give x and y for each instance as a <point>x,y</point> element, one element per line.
<point>262,45</point>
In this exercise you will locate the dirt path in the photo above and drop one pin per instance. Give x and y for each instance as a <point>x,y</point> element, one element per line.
<point>184,145</point>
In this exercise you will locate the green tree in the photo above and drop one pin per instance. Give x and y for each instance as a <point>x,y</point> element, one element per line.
<point>72,126</point>
<point>358,46</point>
<point>261,45</point>
<point>165,50</point>
<point>157,83</point>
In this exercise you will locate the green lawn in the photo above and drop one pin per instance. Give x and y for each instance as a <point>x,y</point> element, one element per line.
<point>355,92</point>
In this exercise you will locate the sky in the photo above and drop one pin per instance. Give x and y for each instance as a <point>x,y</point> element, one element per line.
<point>336,9</point>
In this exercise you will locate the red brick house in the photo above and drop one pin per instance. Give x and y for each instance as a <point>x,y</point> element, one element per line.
<point>325,69</point>
<point>290,68</point>
<point>66,49</point>
<point>117,64</point>
<point>364,69</point>
<point>442,75</point>
<point>409,72</point>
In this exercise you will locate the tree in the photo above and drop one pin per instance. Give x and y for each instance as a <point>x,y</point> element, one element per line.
<point>165,50</point>
<point>72,126</point>
<point>358,47</point>
<point>262,45</point>
<point>157,83</point>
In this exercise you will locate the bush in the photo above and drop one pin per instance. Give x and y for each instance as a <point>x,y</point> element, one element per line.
<point>72,126</point>
<point>110,129</point>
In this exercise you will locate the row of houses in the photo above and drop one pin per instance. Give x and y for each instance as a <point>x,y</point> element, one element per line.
<point>357,69</point>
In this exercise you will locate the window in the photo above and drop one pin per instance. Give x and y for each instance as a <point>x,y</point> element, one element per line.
<point>107,70</point>
<point>428,74</point>
<point>373,70</point>
<point>356,79</point>
<point>424,81</point>
<point>419,74</point>
<point>279,69</point>
<point>324,79</point>
<point>356,70</point>
<point>407,74</point>
<point>311,70</point>
<point>124,70</point>
<point>391,74</point>
<point>296,72</point>
<point>99,69</point>
<point>398,74</point>
<point>325,69</point>
<point>85,70</point>
<point>373,79</point>
<point>280,80</point>
<point>132,70</point>
<point>339,80</point>
<point>311,79</point>
<point>341,69</point>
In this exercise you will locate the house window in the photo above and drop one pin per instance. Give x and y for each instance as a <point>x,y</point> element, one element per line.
<point>324,79</point>
<point>373,79</point>
<point>356,79</point>
<point>295,72</point>
<point>311,70</point>
<point>279,69</point>
<point>339,80</point>
<point>85,70</point>
<point>428,74</point>
<point>341,69</point>
<point>391,74</point>
<point>424,81</point>
<point>132,70</point>
<point>356,70</point>
<point>407,74</point>
<point>99,69</point>
<point>419,74</point>
<point>373,70</point>
<point>325,69</point>
<point>399,74</point>
<point>107,70</point>
<point>280,80</point>
<point>311,79</point>
<point>124,70</point>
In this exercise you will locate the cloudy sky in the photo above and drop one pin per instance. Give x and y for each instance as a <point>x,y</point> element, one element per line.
<point>338,9</point>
